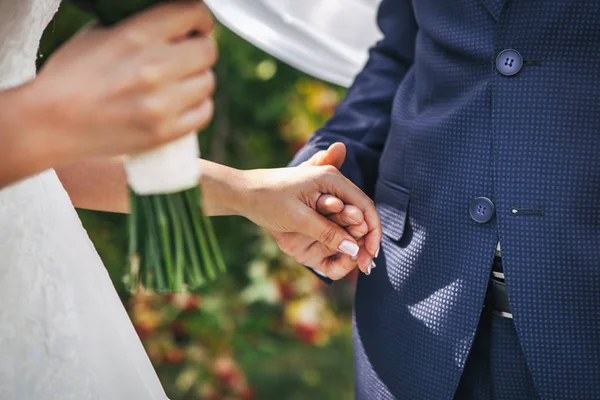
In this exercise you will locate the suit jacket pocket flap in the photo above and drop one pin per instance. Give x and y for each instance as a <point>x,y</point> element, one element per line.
<point>392,204</point>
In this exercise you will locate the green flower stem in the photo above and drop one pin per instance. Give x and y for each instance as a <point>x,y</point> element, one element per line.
<point>158,276</point>
<point>214,245</point>
<point>168,256</point>
<point>194,267</point>
<point>134,257</point>
<point>205,223</point>
<point>172,245</point>
<point>193,199</point>
<point>177,239</point>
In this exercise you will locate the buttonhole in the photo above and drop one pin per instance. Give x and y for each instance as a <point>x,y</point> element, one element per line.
<point>532,62</point>
<point>514,211</point>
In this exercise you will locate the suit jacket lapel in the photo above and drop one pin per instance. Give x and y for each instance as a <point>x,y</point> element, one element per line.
<point>494,7</point>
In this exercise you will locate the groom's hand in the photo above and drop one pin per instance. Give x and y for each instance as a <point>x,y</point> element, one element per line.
<point>319,257</point>
<point>347,216</point>
<point>313,254</point>
<point>351,217</point>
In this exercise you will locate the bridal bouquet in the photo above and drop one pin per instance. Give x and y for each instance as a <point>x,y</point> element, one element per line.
<point>172,243</point>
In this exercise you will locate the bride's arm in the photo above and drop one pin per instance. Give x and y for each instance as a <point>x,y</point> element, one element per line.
<point>101,184</point>
<point>21,154</point>
<point>96,184</point>
<point>283,200</point>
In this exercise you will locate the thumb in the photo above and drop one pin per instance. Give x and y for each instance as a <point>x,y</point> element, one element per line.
<point>334,155</point>
<point>321,229</point>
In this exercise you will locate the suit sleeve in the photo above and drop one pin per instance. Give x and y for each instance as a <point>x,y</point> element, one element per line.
<point>362,119</point>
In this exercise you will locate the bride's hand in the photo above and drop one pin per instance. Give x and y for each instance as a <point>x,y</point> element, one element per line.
<point>321,259</point>
<point>126,88</point>
<point>316,256</point>
<point>285,201</point>
<point>346,216</point>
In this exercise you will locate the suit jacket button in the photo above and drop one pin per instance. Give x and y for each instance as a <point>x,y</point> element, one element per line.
<point>509,62</point>
<point>482,210</point>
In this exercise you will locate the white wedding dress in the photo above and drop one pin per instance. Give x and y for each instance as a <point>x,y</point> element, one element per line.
<point>64,333</point>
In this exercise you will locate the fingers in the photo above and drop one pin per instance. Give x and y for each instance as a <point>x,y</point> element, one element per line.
<point>188,94</point>
<point>315,159</point>
<point>328,205</point>
<point>365,261</point>
<point>169,21</point>
<point>315,253</point>
<point>351,218</point>
<point>338,267</point>
<point>186,58</point>
<point>194,119</point>
<point>295,245</point>
<point>330,234</point>
<point>373,241</point>
<point>350,215</point>
<point>358,231</point>
<point>320,258</point>
<point>334,183</point>
<point>334,156</point>
<point>333,264</point>
<point>163,65</point>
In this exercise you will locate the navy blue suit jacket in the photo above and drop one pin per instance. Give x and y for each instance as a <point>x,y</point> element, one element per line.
<point>431,124</point>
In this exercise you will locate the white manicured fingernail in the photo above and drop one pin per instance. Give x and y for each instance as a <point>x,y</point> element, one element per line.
<point>347,247</point>
<point>369,270</point>
<point>373,265</point>
<point>377,252</point>
<point>320,273</point>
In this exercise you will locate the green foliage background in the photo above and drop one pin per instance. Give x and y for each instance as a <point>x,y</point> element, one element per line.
<point>269,329</point>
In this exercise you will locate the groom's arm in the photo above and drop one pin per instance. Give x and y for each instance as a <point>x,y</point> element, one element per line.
<point>362,119</point>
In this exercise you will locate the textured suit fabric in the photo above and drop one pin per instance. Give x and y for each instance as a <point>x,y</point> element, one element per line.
<point>430,124</point>
<point>496,368</point>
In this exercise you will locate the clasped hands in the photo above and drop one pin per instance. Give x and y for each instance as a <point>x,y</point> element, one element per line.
<point>352,240</point>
